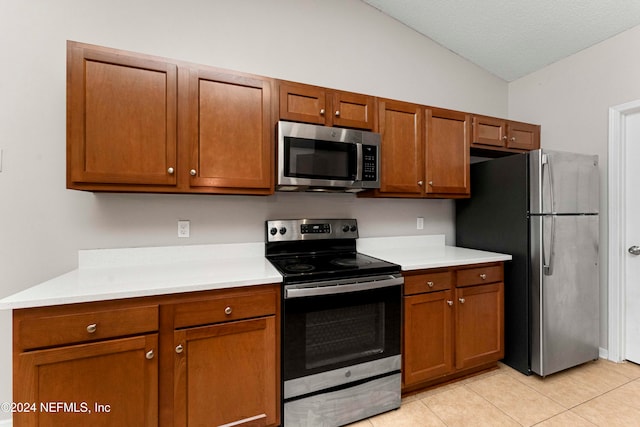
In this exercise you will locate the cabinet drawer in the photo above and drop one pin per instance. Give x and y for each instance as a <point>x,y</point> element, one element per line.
<point>47,331</point>
<point>223,309</point>
<point>429,282</point>
<point>479,275</point>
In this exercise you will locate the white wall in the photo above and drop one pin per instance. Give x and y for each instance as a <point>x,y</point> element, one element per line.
<point>344,44</point>
<point>571,100</point>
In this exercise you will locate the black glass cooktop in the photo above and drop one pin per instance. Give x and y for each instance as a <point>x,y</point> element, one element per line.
<point>318,267</point>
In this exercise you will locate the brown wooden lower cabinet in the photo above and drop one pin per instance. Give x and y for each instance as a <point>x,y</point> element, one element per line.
<point>453,323</point>
<point>225,374</point>
<point>194,359</point>
<point>106,383</point>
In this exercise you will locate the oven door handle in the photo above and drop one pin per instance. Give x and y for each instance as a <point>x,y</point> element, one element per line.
<point>325,288</point>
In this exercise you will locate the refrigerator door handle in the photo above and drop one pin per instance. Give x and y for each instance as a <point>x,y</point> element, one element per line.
<point>547,265</point>
<point>546,162</point>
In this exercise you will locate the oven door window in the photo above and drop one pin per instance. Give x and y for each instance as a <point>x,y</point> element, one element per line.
<point>313,159</point>
<point>330,332</point>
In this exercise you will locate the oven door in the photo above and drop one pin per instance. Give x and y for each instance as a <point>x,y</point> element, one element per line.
<point>333,325</point>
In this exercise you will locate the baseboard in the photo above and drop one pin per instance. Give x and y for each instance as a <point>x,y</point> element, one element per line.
<point>604,353</point>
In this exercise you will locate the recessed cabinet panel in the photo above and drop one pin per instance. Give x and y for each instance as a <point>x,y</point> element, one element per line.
<point>231,134</point>
<point>109,383</point>
<point>523,136</point>
<point>121,119</point>
<point>428,331</point>
<point>300,103</point>
<point>448,140</point>
<point>402,148</point>
<point>479,325</point>
<point>226,374</point>
<point>353,110</point>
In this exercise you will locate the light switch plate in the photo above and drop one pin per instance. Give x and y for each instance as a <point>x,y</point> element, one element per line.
<point>420,223</point>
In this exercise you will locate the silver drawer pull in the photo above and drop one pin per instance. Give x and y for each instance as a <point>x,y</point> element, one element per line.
<point>430,284</point>
<point>149,354</point>
<point>228,311</point>
<point>179,348</point>
<point>92,328</point>
<point>483,276</point>
<point>450,303</point>
<point>462,300</point>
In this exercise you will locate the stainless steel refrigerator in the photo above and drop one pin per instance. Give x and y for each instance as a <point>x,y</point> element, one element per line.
<point>542,208</point>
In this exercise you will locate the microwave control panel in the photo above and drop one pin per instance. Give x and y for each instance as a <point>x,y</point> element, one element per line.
<point>369,163</point>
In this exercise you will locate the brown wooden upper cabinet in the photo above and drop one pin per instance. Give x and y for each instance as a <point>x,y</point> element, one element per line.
<point>231,144</point>
<point>424,151</point>
<point>504,135</point>
<point>121,119</point>
<point>317,105</point>
<point>142,123</point>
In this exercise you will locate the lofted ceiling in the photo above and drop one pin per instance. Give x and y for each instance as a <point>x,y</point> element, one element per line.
<point>512,38</point>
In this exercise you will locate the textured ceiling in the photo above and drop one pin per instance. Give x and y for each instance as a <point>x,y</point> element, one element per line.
<point>512,38</point>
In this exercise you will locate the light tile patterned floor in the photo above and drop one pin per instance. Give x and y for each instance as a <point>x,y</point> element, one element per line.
<point>599,393</point>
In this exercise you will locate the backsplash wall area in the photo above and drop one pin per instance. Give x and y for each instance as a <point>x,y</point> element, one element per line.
<point>357,49</point>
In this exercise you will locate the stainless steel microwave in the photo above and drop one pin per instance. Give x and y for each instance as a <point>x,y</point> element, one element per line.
<point>322,158</point>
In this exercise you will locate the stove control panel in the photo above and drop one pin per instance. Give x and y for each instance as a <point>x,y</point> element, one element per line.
<point>310,229</point>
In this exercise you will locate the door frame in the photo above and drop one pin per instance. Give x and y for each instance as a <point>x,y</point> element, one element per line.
<point>617,227</point>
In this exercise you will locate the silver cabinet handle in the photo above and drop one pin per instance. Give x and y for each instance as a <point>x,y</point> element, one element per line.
<point>92,328</point>
<point>170,171</point>
<point>179,348</point>
<point>337,113</point>
<point>634,250</point>
<point>193,172</point>
<point>420,183</point>
<point>513,138</point>
<point>504,137</point>
<point>228,311</point>
<point>149,354</point>
<point>450,302</point>
<point>430,284</point>
<point>483,276</point>
<point>462,300</point>
<point>431,183</point>
<point>322,111</point>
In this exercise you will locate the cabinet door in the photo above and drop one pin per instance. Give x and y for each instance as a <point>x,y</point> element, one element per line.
<point>353,110</point>
<point>428,334</point>
<point>523,136</point>
<point>110,383</point>
<point>447,152</point>
<point>227,374</point>
<point>479,325</point>
<point>489,131</point>
<point>230,133</point>
<point>121,119</point>
<point>301,103</point>
<point>402,167</point>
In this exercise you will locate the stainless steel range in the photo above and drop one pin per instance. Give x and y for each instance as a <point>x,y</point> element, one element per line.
<point>341,323</point>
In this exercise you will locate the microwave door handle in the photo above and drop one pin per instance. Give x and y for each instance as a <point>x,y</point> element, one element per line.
<point>359,162</point>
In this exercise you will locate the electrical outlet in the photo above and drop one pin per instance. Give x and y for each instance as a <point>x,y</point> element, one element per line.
<point>183,228</point>
<point>420,223</point>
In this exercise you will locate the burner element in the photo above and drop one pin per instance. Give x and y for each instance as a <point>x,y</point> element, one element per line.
<point>350,262</point>
<point>299,268</point>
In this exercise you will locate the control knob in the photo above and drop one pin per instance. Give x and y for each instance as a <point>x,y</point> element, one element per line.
<point>345,228</point>
<point>273,231</point>
<point>354,228</point>
<point>283,230</point>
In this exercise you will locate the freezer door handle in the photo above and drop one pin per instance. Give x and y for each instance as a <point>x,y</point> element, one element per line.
<point>634,250</point>
<point>547,265</point>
